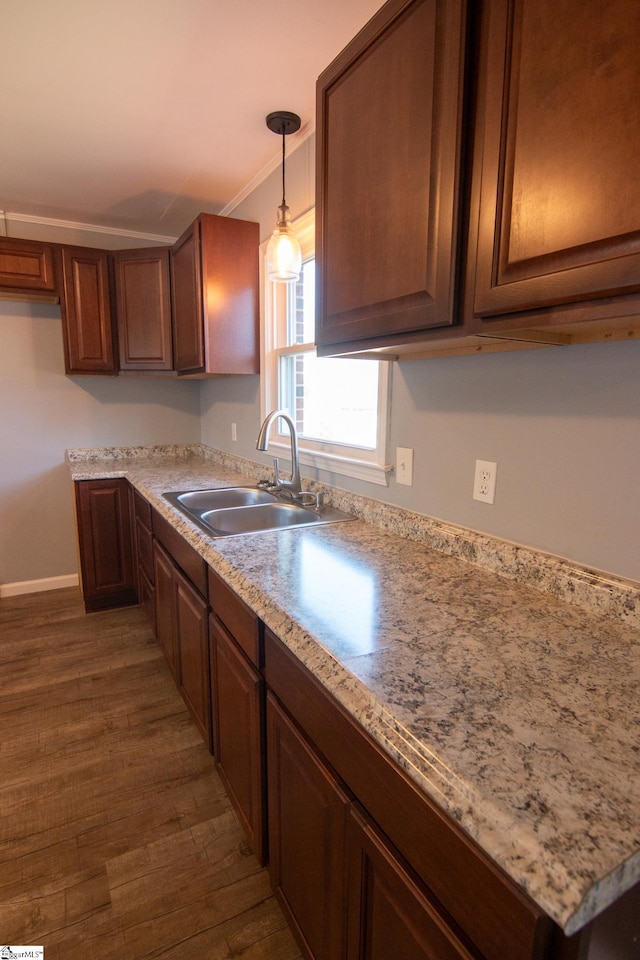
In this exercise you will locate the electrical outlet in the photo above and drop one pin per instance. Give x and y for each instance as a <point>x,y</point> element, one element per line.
<point>404,465</point>
<point>484,484</point>
<point>234,432</point>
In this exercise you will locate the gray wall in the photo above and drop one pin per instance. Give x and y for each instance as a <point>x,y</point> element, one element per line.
<point>563,424</point>
<point>43,413</point>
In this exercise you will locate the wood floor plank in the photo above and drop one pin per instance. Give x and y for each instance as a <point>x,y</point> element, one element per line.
<point>117,839</point>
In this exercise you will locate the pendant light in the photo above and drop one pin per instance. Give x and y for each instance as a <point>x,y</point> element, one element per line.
<point>284,257</point>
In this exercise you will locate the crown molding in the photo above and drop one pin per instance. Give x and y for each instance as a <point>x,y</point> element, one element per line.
<point>10,216</point>
<point>299,138</point>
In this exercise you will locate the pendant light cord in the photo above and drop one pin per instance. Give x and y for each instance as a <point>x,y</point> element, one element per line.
<point>283,139</point>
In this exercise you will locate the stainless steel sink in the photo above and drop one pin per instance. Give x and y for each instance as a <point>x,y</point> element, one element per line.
<point>198,501</point>
<point>231,511</point>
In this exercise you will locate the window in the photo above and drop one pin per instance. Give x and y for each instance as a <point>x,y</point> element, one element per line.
<point>339,406</point>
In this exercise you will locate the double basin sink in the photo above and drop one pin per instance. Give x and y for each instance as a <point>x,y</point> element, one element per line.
<point>230,511</point>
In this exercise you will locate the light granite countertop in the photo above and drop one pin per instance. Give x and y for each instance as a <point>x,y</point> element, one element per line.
<point>506,687</point>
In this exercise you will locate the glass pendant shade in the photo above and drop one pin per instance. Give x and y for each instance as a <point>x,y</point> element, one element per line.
<point>284,257</point>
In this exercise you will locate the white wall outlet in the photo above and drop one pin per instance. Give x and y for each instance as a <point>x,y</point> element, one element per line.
<point>404,465</point>
<point>234,432</point>
<point>484,484</point>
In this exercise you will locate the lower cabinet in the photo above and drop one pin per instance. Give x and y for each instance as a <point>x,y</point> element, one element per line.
<point>343,889</point>
<point>165,605</point>
<point>389,912</point>
<point>364,864</point>
<point>181,622</point>
<point>399,881</point>
<point>237,700</point>
<point>103,515</point>
<point>308,813</point>
<point>192,646</point>
<point>143,542</point>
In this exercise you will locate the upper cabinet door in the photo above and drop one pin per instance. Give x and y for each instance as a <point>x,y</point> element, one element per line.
<point>143,308</point>
<point>186,295</point>
<point>86,312</point>
<point>556,198</point>
<point>389,135</point>
<point>27,269</point>
<point>214,289</point>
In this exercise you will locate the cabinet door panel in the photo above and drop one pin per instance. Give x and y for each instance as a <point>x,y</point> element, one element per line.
<point>388,156</point>
<point>106,543</point>
<point>214,290</point>
<point>86,312</point>
<point>389,914</point>
<point>146,594</point>
<point>187,305</point>
<point>144,544</point>
<point>558,198</point>
<point>495,914</point>
<point>165,606</point>
<point>26,267</point>
<point>193,654</point>
<point>307,822</point>
<point>238,703</point>
<point>143,305</point>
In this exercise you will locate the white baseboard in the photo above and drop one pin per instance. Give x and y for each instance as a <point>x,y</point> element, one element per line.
<point>37,586</point>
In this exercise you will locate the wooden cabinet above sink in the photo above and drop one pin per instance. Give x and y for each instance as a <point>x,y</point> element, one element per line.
<point>476,185</point>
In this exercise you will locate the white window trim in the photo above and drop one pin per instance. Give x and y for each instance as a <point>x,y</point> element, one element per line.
<point>314,453</point>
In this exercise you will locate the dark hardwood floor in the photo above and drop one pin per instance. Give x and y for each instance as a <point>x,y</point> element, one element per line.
<point>117,839</point>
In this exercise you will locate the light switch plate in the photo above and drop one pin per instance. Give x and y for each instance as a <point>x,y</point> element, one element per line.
<point>404,465</point>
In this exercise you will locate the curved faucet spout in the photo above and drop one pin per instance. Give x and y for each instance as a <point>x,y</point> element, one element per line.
<point>262,443</point>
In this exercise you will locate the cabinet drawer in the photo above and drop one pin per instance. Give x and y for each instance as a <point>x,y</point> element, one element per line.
<point>239,620</point>
<point>188,559</point>
<point>142,509</point>
<point>500,920</point>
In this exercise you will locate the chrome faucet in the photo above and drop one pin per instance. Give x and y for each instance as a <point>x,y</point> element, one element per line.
<point>262,443</point>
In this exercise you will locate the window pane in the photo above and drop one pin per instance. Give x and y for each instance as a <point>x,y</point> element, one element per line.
<point>302,318</point>
<point>333,400</point>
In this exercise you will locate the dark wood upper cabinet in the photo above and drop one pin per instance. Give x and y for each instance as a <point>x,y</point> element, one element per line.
<point>27,270</point>
<point>389,141</point>
<point>214,290</point>
<point>476,179</point>
<point>555,217</point>
<point>143,308</point>
<point>88,330</point>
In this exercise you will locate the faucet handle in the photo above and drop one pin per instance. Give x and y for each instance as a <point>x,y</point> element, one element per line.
<point>276,475</point>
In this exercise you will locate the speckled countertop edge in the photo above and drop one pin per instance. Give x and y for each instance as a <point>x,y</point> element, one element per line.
<point>592,590</point>
<point>571,899</point>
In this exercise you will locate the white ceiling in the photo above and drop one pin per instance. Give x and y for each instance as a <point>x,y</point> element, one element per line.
<point>138,114</point>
